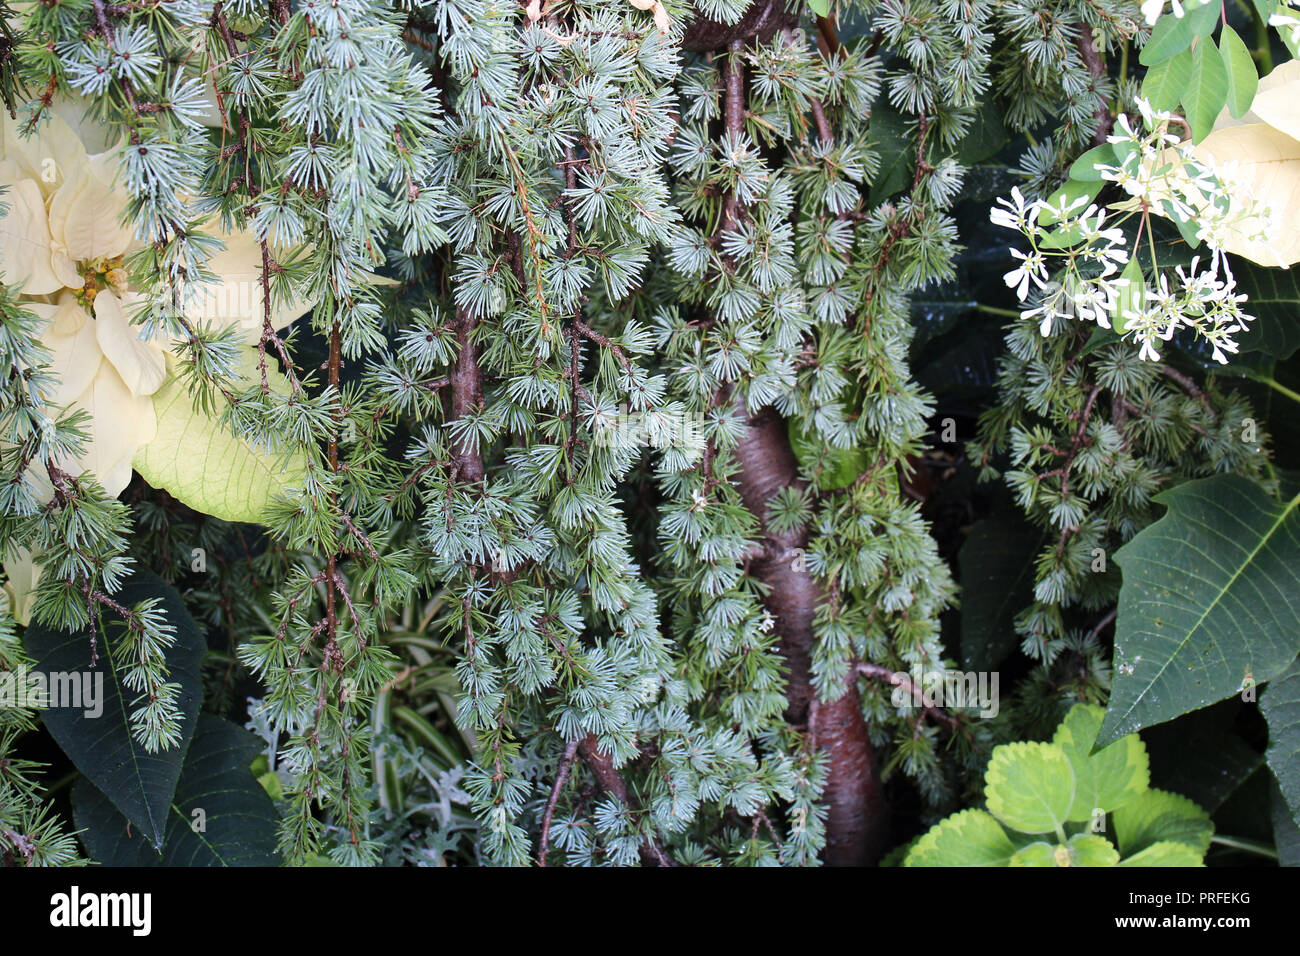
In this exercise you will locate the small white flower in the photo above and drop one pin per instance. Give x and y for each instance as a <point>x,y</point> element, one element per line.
<point>1045,314</point>
<point>1013,215</point>
<point>1031,268</point>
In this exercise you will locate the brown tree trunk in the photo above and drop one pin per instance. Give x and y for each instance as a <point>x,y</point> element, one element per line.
<point>855,825</point>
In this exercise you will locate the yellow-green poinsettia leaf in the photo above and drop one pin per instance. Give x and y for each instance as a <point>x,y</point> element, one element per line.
<point>195,458</point>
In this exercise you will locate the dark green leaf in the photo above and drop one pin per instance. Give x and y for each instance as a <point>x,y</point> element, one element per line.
<point>889,136</point>
<point>985,138</point>
<point>997,578</point>
<point>1280,703</point>
<point>1210,602</point>
<point>1275,303</point>
<point>1286,835</point>
<point>139,784</point>
<point>1201,756</point>
<point>216,789</point>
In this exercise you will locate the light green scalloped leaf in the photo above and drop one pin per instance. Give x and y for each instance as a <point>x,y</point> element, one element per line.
<point>1039,853</point>
<point>1030,786</point>
<point>1083,849</point>
<point>1089,849</point>
<point>969,838</point>
<point>1162,817</point>
<point>197,460</point>
<point>1104,780</point>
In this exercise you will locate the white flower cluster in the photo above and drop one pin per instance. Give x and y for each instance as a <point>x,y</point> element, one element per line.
<point>1073,268</point>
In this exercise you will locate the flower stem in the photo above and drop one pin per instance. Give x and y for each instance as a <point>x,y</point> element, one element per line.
<point>994,310</point>
<point>1277,386</point>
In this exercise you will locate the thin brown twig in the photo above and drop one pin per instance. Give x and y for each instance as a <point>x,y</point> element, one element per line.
<point>561,777</point>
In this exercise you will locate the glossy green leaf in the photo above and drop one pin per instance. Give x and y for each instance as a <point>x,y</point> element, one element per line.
<point>1210,602</point>
<point>140,784</point>
<point>220,816</point>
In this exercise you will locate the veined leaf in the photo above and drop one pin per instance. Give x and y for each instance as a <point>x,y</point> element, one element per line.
<point>1210,601</point>
<point>1030,786</point>
<point>140,784</point>
<point>1107,779</point>
<point>1280,703</point>
<point>1157,816</point>
<point>1286,835</point>
<point>1203,19</point>
<point>1240,71</point>
<point>1207,91</point>
<point>969,838</point>
<point>1090,849</point>
<point>197,459</point>
<point>1169,37</point>
<point>1166,82</point>
<point>220,816</point>
<point>1165,854</point>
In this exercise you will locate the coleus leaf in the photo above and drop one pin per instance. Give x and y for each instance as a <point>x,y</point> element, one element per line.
<point>1029,786</point>
<point>1110,777</point>
<point>968,838</point>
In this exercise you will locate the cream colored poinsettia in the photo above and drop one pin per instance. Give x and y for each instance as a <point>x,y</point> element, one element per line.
<point>64,244</point>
